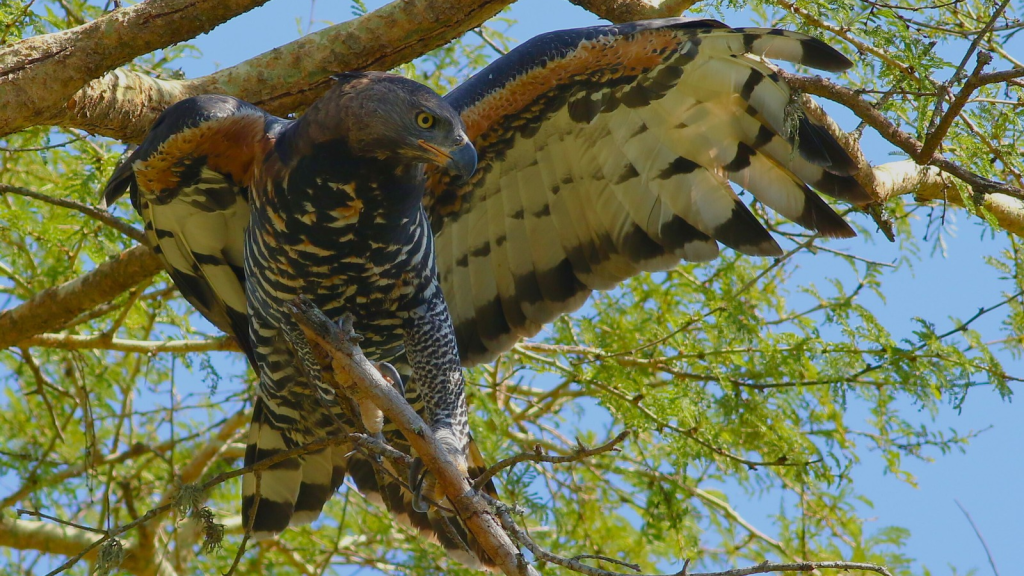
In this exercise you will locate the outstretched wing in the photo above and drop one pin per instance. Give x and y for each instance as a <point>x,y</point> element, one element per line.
<point>608,151</point>
<point>189,180</point>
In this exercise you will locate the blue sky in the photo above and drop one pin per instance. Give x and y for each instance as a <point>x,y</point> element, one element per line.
<point>986,479</point>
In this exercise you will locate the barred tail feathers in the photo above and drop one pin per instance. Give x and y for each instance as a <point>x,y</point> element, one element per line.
<point>293,491</point>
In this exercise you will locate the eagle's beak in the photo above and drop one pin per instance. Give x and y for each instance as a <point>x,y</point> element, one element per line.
<point>460,160</point>
<point>463,161</point>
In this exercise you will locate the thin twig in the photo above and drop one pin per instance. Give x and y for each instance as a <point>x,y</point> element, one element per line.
<point>631,566</point>
<point>538,455</point>
<point>37,514</point>
<point>977,532</point>
<point>91,211</point>
<point>504,515</point>
<point>42,148</point>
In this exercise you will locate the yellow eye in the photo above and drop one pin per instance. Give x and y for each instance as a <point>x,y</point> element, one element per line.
<point>424,120</point>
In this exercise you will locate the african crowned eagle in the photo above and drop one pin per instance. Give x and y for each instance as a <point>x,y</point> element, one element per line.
<point>451,227</point>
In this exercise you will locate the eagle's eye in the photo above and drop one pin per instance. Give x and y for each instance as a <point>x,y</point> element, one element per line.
<point>424,120</point>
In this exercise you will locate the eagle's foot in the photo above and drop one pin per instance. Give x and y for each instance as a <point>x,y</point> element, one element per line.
<point>347,325</point>
<point>423,484</point>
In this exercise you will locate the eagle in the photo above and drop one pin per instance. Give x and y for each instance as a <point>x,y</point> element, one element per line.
<point>451,227</point>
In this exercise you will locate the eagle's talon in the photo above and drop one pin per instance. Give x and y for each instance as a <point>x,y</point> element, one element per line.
<point>391,375</point>
<point>417,475</point>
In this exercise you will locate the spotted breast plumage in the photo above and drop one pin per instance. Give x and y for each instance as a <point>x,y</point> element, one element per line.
<point>603,152</point>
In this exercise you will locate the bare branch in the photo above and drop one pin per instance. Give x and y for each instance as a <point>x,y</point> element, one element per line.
<point>39,75</point>
<point>977,532</point>
<point>538,455</point>
<point>52,307</point>
<point>348,361</point>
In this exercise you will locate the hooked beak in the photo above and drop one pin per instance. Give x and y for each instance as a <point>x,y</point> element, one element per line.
<point>460,160</point>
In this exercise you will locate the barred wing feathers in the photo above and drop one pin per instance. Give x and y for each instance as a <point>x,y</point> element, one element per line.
<point>608,151</point>
<point>189,182</point>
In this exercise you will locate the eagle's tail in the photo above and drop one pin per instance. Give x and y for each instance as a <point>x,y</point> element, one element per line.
<point>293,491</point>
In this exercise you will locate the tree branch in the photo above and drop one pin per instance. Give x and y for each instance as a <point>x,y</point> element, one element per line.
<point>123,104</point>
<point>872,117</point>
<point>105,342</point>
<point>579,453</point>
<point>39,75</point>
<point>928,183</point>
<point>351,366</point>
<point>520,535</point>
<point>630,10</point>
<point>945,121</point>
<point>52,307</point>
<point>67,541</point>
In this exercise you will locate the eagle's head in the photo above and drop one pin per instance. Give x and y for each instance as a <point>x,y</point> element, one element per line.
<point>390,117</point>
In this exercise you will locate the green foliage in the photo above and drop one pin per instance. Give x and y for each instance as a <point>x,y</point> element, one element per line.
<point>738,378</point>
<point>444,68</point>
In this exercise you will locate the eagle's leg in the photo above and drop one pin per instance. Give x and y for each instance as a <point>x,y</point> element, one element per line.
<point>438,386</point>
<point>309,365</point>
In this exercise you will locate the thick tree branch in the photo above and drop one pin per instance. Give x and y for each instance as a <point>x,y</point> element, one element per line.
<point>67,541</point>
<point>39,75</point>
<point>928,183</point>
<point>54,306</point>
<point>106,342</point>
<point>629,10</point>
<point>349,363</point>
<point>123,104</point>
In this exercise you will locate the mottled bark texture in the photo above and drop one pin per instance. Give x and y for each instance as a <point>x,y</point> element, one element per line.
<point>39,75</point>
<point>123,104</point>
<point>630,10</point>
<point>51,308</point>
<point>928,183</point>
